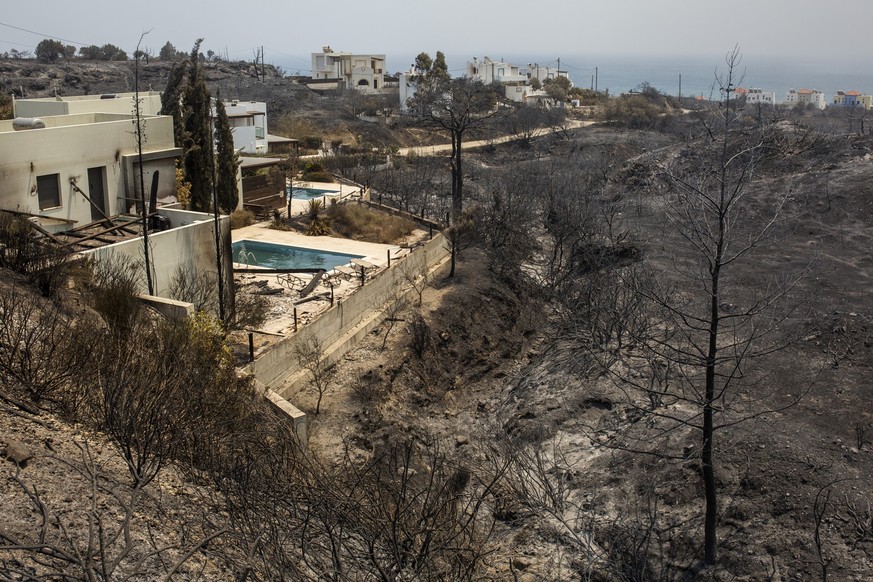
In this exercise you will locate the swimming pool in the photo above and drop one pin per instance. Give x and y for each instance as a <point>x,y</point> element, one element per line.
<point>310,193</point>
<point>275,256</point>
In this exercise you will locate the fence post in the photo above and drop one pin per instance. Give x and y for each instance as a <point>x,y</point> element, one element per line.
<point>251,347</point>
<point>295,319</point>
<point>389,258</point>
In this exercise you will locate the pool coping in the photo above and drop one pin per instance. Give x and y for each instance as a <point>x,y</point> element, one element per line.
<point>375,253</point>
<point>331,252</point>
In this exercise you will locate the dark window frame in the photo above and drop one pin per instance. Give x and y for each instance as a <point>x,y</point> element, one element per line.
<point>48,191</point>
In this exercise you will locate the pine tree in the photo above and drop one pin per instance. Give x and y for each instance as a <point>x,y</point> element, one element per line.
<point>198,150</point>
<point>171,100</point>
<point>226,159</point>
<point>440,68</point>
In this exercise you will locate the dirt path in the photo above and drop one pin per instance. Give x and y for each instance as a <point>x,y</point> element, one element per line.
<point>469,145</point>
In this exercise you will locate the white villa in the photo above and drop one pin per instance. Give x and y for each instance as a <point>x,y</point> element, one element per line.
<point>754,96</point>
<point>360,71</point>
<point>515,80</point>
<point>248,122</point>
<point>806,96</point>
<point>76,176</point>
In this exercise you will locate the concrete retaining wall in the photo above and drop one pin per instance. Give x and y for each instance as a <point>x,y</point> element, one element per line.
<point>338,328</point>
<point>190,244</point>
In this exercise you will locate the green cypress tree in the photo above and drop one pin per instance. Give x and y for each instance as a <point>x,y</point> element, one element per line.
<point>198,149</point>
<point>171,100</point>
<point>440,69</point>
<point>227,160</point>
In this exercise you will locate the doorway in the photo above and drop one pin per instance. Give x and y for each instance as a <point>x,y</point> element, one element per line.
<point>97,192</point>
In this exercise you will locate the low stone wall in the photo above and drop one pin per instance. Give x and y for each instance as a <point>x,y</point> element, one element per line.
<point>338,328</point>
<point>169,308</point>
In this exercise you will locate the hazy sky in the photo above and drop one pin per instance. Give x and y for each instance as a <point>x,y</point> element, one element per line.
<point>806,30</point>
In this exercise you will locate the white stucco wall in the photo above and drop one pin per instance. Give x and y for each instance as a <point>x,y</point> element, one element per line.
<point>122,103</point>
<point>250,137</point>
<point>68,146</point>
<point>189,244</point>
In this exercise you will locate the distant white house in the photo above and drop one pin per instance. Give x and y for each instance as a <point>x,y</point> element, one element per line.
<point>364,72</point>
<point>806,96</point>
<point>754,96</point>
<point>515,80</point>
<point>407,87</point>
<point>535,71</point>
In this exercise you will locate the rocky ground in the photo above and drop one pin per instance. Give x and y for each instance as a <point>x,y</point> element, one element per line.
<point>498,370</point>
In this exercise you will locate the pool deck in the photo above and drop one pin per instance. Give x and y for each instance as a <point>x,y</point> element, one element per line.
<point>372,252</point>
<point>346,280</point>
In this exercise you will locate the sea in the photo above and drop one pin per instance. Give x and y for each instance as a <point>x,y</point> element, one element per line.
<point>692,75</point>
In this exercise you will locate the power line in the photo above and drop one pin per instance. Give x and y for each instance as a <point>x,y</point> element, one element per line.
<point>289,55</point>
<point>42,34</point>
<point>17,43</point>
<point>579,68</point>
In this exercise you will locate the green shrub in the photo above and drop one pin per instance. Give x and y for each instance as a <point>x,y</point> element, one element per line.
<point>241,218</point>
<point>318,177</point>
<point>318,223</point>
<point>361,223</point>
<point>115,295</point>
<point>311,142</point>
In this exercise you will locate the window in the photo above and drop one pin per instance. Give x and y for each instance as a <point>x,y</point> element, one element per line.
<point>48,189</point>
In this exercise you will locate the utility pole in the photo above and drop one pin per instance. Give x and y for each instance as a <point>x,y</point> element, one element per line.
<point>219,263</point>
<point>680,87</point>
<point>595,79</point>
<point>290,191</point>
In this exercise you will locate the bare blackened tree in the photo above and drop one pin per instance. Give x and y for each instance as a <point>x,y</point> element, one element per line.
<point>108,539</point>
<point>709,341</point>
<point>456,106</point>
<point>139,124</point>
<point>507,223</point>
<point>408,512</point>
<point>40,352</point>
<point>312,358</point>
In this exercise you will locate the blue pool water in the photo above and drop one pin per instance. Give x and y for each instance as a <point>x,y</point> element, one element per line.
<point>310,193</point>
<point>275,256</point>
